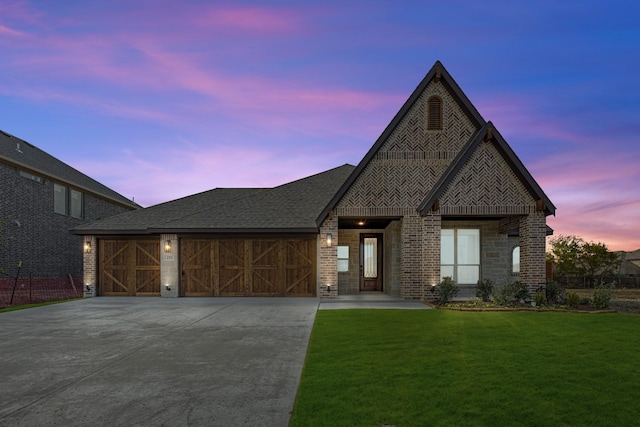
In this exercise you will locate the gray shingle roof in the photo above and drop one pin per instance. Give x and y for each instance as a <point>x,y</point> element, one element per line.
<point>24,155</point>
<point>291,207</point>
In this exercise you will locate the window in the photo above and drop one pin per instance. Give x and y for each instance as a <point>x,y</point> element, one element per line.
<point>515,260</point>
<point>343,259</point>
<point>77,210</point>
<point>60,202</point>
<point>434,113</point>
<point>30,176</point>
<point>460,255</point>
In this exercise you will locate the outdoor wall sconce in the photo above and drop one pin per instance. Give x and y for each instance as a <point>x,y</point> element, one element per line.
<point>87,246</point>
<point>167,287</point>
<point>433,288</point>
<point>167,246</point>
<point>328,240</point>
<point>328,288</point>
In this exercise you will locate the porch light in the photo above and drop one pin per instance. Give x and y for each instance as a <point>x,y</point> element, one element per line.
<point>167,287</point>
<point>433,288</point>
<point>328,288</point>
<point>328,240</point>
<point>361,222</point>
<point>87,246</point>
<point>167,246</point>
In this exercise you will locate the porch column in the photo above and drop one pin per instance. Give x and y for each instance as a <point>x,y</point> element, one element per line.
<point>169,267</point>
<point>90,265</point>
<point>328,259</point>
<point>533,232</point>
<point>411,265</point>
<point>431,226</point>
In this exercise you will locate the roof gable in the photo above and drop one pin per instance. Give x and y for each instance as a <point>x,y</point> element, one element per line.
<point>491,179</point>
<point>412,128</point>
<point>26,156</point>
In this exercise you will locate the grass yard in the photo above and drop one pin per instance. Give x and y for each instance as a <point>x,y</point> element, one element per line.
<point>441,367</point>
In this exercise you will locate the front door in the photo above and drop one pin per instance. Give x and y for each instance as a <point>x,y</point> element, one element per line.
<point>371,262</point>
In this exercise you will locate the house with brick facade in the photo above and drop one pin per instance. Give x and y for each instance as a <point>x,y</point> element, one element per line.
<point>41,199</point>
<point>440,193</point>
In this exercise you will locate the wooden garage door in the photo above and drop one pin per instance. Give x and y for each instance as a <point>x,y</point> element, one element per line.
<point>129,267</point>
<point>248,267</point>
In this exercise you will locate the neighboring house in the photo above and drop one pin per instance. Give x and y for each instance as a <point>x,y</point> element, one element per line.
<point>629,263</point>
<point>439,194</point>
<point>41,199</point>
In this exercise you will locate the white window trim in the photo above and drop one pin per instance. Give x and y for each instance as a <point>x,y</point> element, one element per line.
<point>455,264</point>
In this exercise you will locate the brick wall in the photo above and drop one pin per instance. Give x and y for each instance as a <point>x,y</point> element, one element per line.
<point>328,258</point>
<point>37,236</point>
<point>533,232</point>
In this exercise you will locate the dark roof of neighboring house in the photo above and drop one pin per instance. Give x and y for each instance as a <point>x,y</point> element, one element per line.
<point>507,153</point>
<point>291,208</point>
<point>30,158</point>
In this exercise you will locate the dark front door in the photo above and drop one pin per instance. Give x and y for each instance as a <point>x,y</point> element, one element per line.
<point>371,262</point>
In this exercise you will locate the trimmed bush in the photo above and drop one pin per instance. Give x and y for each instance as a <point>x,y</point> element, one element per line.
<point>484,290</point>
<point>448,289</point>
<point>573,300</point>
<point>540,298</point>
<point>510,292</point>
<point>556,293</point>
<point>602,295</point>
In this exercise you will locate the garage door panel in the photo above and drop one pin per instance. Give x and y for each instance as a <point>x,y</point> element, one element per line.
<point>248,267</point>
<point>129,267</point>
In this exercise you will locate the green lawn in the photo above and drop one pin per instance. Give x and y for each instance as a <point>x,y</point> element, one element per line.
<point>440,367</point>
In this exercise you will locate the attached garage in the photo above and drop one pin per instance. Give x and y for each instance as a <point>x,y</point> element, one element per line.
<point>129,267</point>
<point>248,267</point>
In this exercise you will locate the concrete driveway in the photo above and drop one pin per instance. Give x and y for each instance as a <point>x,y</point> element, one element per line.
<point>154,361</point>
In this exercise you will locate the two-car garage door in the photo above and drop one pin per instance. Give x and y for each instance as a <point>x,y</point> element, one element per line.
<point>212,267</point>
<point>248,267</point>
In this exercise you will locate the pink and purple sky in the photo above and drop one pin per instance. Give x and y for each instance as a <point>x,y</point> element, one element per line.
<point>159,99</point>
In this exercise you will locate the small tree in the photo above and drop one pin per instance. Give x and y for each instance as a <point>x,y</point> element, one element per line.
<point>572,256</point>
<point>448,289</point>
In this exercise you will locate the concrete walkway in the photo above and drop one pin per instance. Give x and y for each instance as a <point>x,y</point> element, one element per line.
<point>371,300</point>
<point>118,361</point>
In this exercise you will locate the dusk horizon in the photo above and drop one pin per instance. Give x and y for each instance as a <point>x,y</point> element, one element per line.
<point>162,100</point>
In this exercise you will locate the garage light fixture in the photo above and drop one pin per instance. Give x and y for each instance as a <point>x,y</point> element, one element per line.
<point>328,240</point>
<point>167,246</point>
<point>87,246</point>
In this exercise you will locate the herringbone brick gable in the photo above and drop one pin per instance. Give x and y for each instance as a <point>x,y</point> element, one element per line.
<point>410,161</point>
<point>486,185</point>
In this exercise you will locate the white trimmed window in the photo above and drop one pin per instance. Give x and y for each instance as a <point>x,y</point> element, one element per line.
<point>515,260</point>
<point>460,255</point>
<point>343,259</point>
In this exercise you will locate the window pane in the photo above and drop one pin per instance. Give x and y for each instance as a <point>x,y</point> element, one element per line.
<point>447,250</point>
<point>60,199</point>
<point>468,246</point>
<point>468,274</point>
<point>343,252</point>
<point>446,271</point>
<point>343,265</point>
<point>76,204</point>
<point>370,257</point>
<point>516,260</point>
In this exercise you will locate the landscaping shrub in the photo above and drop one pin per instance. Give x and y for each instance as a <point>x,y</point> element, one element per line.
<point>510,292</point>
<point>540,298</point>
<point>602,295</point>
<point>573,300</point>
<point>556,293</point>
<point>448,289</point>
<point>484,290</point>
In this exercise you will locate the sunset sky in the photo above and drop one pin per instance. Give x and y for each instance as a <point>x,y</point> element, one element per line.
<point>160,99</point>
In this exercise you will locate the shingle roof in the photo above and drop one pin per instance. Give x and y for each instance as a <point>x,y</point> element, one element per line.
<point>24,155</point>
<point>291,207</point>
